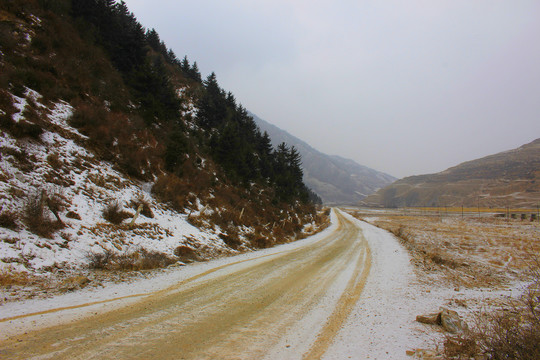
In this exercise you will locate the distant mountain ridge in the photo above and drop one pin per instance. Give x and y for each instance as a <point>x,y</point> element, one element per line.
<point>335,179</point>
<point>509,178</point>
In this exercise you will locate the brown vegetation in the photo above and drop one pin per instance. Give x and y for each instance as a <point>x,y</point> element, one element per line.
<point>137,260</point>
<point>9,277</point>
<point>478,251</point>
<point>8,220</point>
<point>36,216</point>
<point>114,213</point>
<point>471,251</point>
<point>508,333</point>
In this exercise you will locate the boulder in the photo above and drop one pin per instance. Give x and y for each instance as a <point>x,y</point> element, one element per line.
<point>452,322</point>
<point>448,319</point>
<point>431,319</point>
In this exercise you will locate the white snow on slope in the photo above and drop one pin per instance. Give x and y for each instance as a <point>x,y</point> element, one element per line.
<point>58,165</point>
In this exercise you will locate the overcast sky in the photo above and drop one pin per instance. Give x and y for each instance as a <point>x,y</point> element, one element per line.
<point>404,87</point>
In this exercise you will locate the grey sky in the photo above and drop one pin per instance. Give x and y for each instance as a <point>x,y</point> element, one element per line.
<point>404,87</point>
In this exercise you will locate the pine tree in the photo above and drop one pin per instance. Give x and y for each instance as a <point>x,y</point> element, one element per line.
<point>212,106</point>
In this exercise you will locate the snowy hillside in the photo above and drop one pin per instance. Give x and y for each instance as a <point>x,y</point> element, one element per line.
<point>80,187</point>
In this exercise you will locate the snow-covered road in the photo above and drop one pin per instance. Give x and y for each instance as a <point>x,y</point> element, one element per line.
<point>308,299</point>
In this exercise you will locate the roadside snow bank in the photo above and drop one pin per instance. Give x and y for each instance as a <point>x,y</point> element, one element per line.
<point>382,325</point>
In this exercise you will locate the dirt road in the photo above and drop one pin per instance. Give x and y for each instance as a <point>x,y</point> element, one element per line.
<point>288,304</point>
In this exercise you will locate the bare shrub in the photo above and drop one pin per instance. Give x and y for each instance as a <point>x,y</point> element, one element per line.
<point>8,220</point>
<point>186,254</point>
<point>137,260</point>
<point>114,213</point>
<point>153,259</point>
<point>88,116</point>
<point>173,190</point>
<point>506,334</point>
<point>146,207</point>
<point>231,240</point>
<point>99,260</point>
<point>36,216</point>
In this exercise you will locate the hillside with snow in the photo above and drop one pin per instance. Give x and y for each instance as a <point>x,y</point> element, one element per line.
<point>122,157</point>
<point>82,186</point>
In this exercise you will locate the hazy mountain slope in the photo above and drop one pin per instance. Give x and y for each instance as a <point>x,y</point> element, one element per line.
<point>99,117</point>
<point>333,178</point>
<point>510,178</point>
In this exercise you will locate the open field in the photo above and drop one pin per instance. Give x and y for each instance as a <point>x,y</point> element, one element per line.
<point>470,248</point>
<point>484,266</point>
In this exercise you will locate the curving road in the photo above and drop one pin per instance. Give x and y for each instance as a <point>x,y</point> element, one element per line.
<point>289,304</point>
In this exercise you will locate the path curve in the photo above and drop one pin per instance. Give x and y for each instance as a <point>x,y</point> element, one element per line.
<point>288,304</point>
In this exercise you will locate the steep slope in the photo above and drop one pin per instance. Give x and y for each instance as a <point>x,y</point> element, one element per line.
<point>510,178</point>
<point>100,121</point>
<point>335,179</point>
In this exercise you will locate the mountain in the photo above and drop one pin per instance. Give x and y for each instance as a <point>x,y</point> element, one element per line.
<point>335,179</point>
<point>510,178</point>
<point>100,122</point>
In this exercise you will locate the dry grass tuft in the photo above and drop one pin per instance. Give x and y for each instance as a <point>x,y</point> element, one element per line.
<point>9,277</point>
<point>114,213</point>
<point>509,333</point>
<point>137,260</point>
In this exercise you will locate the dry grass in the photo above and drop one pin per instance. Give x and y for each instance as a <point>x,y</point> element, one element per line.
<point>469,251</point>
<point>478,251</point>
<point>9,277</point>
<point>508,333</point>
<point>137,260</point>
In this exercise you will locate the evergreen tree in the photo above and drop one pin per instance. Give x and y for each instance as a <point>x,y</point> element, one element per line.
<point>212,106</point>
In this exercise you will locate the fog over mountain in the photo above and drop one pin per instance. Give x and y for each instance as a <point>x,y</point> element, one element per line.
<point>335,179</point>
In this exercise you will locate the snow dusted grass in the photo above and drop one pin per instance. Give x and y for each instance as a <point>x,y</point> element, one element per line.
<point>470,251</point>
<point>477,266</point>
<point>57,165</point>
<point>61,209</point>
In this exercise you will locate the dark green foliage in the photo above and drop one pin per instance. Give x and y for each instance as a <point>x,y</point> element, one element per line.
<point>123,81</point>
<point>313,197</point>
<point>124,39</point>
<point>155,93</point>
<point>245,154</point>
<point>176,150</point>
<point>189,71</point>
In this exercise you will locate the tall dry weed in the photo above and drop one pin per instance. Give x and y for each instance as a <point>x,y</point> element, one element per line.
<point>508,333</point>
